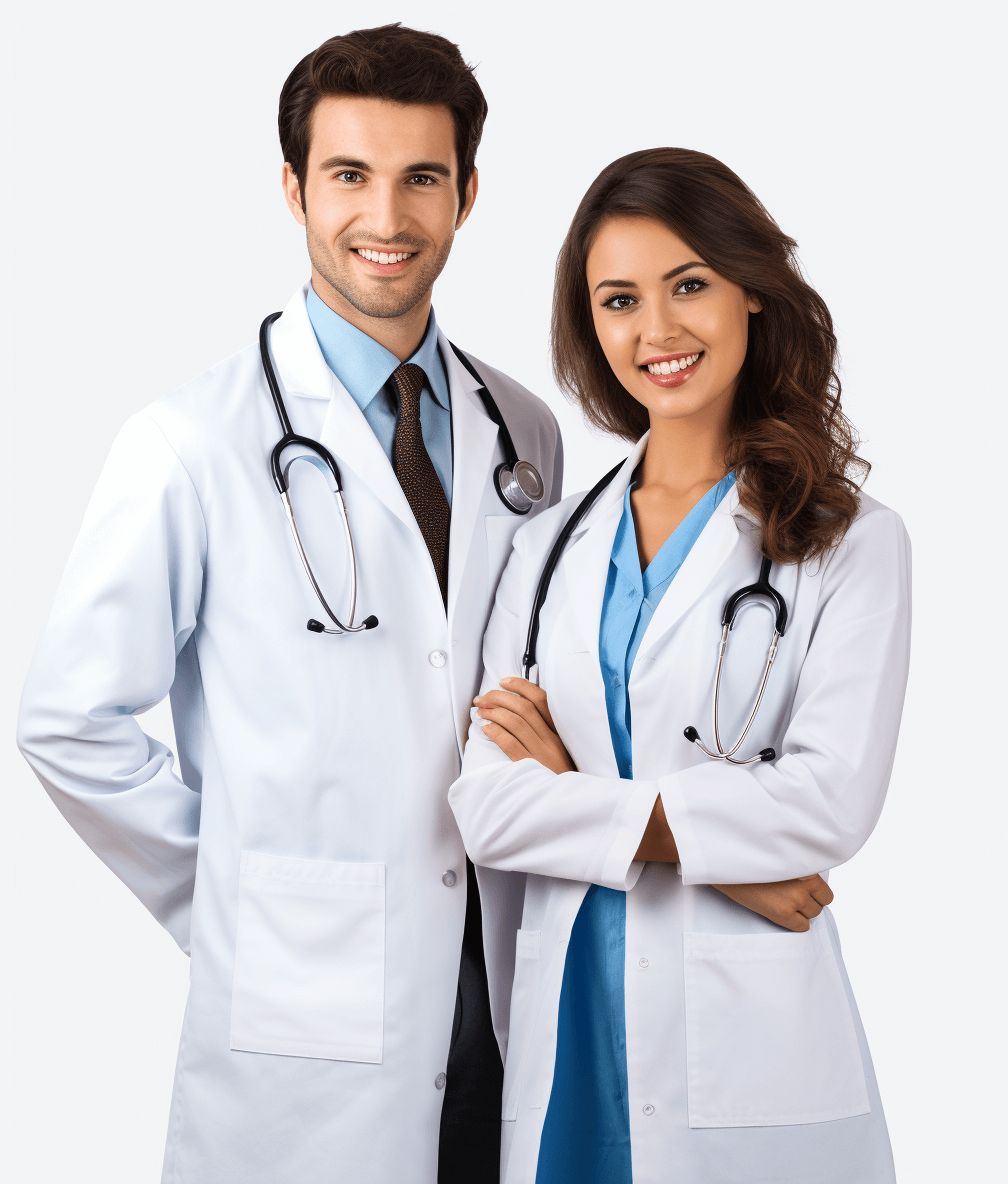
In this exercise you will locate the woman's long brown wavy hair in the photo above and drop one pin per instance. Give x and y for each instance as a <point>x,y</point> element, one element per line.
<point>792,448</point>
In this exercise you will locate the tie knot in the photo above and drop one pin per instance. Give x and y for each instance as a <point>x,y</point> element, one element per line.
<point>409,380</point>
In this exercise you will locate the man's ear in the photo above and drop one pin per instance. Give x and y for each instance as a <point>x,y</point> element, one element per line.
<point>292,193</point>
<point>472,188</point>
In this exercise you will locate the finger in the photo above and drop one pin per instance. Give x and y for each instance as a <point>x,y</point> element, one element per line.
<point>511,748</point>
<point>822,892</point>
<point>529,690</point>
<point>519,727</point>
<point>509,701</point>
<point>810,908</point>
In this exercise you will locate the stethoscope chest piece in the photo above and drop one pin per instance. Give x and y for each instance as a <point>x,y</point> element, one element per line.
<point>519,487</point>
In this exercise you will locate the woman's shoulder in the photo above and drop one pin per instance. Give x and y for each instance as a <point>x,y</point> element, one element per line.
<point>875,550</point>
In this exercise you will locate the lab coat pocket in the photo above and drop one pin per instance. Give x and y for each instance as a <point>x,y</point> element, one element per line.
<point>769,1036</point>
<point>523,1006</point>
<point>309,977</point>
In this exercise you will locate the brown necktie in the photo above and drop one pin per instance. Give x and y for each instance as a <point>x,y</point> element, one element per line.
<point>417,475</point>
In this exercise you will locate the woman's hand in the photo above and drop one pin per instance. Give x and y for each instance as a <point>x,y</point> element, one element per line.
<point>790,903</point>
<point>520,724</point>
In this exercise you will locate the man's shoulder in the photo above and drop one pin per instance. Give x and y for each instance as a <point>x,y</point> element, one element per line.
<point>511,396</point>
<point>213,406</point>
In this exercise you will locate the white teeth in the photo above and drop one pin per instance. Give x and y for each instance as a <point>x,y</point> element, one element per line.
<point>383,256</point>
<point>672,367</point>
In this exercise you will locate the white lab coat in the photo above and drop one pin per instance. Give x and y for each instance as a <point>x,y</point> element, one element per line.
<point>300,854</point>
<point>746,1057</point>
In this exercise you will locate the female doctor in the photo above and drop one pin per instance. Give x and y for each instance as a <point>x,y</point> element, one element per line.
<point>658,1030</point>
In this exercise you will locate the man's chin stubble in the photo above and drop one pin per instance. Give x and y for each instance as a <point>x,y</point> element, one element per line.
<point>322,261</point>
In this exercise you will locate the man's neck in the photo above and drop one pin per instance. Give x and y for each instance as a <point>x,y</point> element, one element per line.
<point>399,335</point>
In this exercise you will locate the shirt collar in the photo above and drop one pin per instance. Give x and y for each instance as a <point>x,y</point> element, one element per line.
<point>361,364</point>
<point>626,557</point>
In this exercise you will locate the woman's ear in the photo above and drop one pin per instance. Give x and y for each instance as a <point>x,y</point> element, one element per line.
<point>753,304</point>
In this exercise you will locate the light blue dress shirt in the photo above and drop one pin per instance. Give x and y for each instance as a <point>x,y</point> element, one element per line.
<point>586,1135</point>
<point>365,368</point>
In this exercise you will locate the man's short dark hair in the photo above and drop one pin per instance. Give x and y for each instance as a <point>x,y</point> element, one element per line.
<point>392,63</point>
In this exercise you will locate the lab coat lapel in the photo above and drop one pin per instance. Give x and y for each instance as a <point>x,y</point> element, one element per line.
<point>474,441</point>
<point>717,542</point>
<point>586,561</point>
<point>345,432</point>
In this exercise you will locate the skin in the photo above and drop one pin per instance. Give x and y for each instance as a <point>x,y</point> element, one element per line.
<point>654,299</point>
<point>381,176</point>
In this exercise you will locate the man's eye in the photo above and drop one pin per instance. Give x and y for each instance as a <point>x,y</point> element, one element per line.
<point>620,301</point>
<point>421,179</point>
<point>351,178</point>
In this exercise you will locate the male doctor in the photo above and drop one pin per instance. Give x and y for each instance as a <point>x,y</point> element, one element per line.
<point>339,1017</point>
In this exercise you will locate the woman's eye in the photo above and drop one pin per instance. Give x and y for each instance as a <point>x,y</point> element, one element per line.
<point>350,178</point>
<point>619,302</point>
<point>690,287</point>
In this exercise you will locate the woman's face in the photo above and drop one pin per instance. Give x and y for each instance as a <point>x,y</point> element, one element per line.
<point>673,330</point>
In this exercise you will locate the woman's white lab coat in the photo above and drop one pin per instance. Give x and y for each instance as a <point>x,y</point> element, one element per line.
<point>746,1057</point>
<point>301,853</point>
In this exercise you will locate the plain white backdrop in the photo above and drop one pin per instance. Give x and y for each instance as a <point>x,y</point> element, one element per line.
<point>145,237</point>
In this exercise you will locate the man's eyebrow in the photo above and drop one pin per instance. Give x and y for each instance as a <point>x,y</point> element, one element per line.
<point>344,162</point>
<point>667,276</point>
<point>428,166</point>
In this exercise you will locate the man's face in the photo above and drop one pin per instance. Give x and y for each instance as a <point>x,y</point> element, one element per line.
<point>380,201</point>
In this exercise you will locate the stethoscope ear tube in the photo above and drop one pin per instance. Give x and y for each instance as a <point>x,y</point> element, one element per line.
<point>542,590</point>
<point>518,483</point>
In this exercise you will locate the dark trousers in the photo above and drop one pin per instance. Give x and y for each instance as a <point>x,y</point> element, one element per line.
<point>469,1148</point>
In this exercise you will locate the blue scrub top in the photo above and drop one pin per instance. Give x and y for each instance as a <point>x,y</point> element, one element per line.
<point>586,1136</point>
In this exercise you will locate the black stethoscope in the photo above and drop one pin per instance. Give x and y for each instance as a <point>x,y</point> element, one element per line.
<point>517,482</point>
<point>762,588</point>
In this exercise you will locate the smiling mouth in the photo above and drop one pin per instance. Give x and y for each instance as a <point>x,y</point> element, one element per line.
<point>384,258</point>
<point>672,365</point>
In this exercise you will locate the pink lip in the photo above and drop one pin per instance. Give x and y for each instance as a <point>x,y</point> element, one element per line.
<point>670,380</point>
<point>383,268</point>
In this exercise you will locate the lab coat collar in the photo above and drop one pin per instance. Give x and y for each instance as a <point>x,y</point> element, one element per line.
<point>717,542</point>
<point>345,432</point>
<point>585,562</point>
<point>474,440</point>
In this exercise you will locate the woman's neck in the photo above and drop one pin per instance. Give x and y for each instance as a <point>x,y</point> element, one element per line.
<point>684,455</point>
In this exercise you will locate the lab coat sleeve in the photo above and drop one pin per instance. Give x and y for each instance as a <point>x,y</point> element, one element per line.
<point>814,807</point>
<point>126,606</point>
<point>520,816</point>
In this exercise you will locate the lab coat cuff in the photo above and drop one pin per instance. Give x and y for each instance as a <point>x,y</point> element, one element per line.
<point>692,865</point>
<point>620,870</point>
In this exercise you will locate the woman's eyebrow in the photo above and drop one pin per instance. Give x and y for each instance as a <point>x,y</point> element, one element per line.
<point>667,276</point>
<point>614,284</point>
<point>685,267</point>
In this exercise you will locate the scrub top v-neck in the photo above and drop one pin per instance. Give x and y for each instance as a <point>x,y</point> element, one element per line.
<point>586,1135</point>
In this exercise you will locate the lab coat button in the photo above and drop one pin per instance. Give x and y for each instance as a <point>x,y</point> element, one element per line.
<point>439,1081</point>
<point>644,963</point>
<point>649,1109</point>
<point>448,879</point>
<point>438,657</point>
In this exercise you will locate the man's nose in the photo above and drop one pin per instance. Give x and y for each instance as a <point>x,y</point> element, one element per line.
<point>386,215</point>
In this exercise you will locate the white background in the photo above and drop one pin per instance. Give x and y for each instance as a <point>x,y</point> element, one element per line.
<point>145,237</point>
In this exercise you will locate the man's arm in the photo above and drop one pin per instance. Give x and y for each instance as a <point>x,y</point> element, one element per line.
<point>125,608</point>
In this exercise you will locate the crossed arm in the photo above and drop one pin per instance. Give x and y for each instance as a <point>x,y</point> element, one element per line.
<point>519,723</point>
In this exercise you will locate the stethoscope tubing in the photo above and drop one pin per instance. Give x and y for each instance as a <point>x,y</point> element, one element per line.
<point>762,587</point>
<point>521,501</point>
